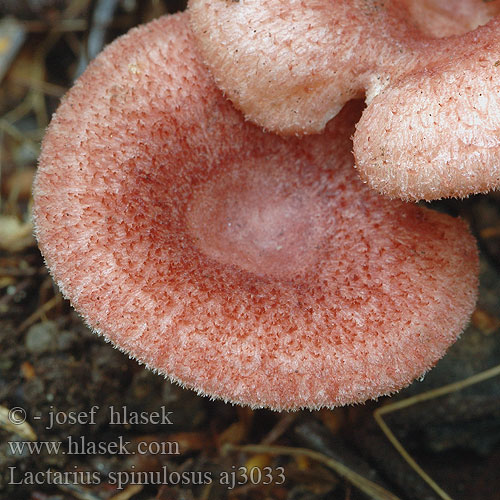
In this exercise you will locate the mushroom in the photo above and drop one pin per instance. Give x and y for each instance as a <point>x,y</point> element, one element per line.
<point>442,18</point>
<point>247,266</point>
<point>431,127</point>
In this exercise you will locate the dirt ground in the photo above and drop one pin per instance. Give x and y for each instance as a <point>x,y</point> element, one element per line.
<point>68,389</point>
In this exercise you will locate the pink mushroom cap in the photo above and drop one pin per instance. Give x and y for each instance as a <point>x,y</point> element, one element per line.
<point>443,18</point>
<point>250,267</point>
<point>431,126</point>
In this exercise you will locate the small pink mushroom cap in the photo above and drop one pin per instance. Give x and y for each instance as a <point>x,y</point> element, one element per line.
<point>442,18</point>
<point>431,127</point>
<point>250,267</point>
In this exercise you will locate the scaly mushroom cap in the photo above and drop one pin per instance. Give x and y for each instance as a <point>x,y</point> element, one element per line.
<point>431,128</point>
<point>247,266</point>
<point>442,18</point>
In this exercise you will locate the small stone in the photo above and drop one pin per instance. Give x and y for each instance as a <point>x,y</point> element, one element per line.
<point>42,337</point>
